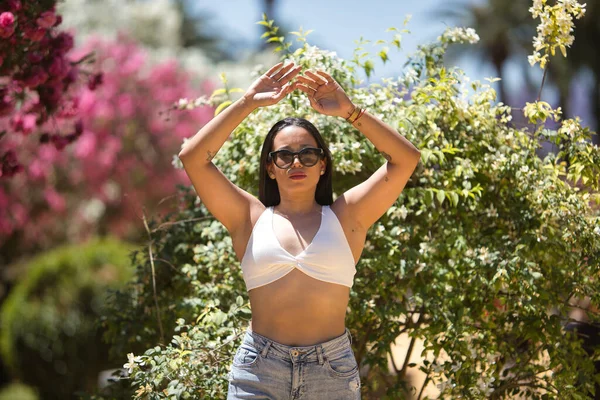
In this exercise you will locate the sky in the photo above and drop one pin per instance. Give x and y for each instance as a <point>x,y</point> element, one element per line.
<point>338,24</point>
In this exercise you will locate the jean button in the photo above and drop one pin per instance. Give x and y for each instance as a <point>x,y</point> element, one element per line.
<point>294,353</point>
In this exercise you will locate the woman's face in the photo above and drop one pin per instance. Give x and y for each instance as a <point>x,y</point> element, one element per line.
<point>296,175</point>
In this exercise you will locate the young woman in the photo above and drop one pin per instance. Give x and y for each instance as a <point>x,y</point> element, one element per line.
<point>297,247</point>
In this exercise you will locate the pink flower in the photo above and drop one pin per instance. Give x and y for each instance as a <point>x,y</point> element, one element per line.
<point>50,95</point>
<point>71,76</point>
<point>7,27</point>
<point>85,145</point>
<point>55,200</point>
<point>37,75</point>
<point>94,81</point>
<point>6,105</point>
<point>59,141</point>
<point>59,67</point>
<point>34,34</point>
<point>23,123</point>
<point>14,5</point>
<point>126,105</point>
<point>37,170</point>
<point>35,57</point>
<point>46,20</point>
<point>63,42</point>
<point>7,19</point>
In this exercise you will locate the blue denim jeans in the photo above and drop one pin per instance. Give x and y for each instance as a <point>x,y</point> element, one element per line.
<point>265,369</point>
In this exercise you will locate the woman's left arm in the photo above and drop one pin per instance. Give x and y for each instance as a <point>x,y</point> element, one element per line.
<point>369,200</point>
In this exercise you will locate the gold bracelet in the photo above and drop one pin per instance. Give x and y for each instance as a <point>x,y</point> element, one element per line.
<point>353,114</point>
<point>352,119</point>
<point>362,111</point>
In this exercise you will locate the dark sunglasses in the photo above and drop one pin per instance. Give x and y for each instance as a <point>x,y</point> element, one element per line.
<point>308,157</point>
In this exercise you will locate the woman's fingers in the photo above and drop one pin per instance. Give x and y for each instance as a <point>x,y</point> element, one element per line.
<point>283,92</point>
<point>318,79</point>
<point>290,75</point>
<point>326,76</point>
<point>273,69</point>
<point>308,82</point>
<point>306,89</point>
<point>277,75</point>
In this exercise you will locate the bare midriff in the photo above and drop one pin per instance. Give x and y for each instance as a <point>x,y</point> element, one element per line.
<point>298,310</point>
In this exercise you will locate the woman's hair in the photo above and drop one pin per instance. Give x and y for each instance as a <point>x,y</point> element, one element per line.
<point>268,191</point>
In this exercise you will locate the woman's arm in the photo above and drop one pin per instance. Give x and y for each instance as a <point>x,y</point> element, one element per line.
<point>368,201</point>
<point>207,142</point>
<point>228,203</point>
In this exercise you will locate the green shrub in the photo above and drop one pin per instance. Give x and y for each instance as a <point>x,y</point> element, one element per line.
<point>480,256</point>
<point>50,338</point>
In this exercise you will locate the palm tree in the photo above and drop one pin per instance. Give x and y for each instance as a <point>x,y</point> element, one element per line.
<point>584,54</point>
<point>504,29</point>
<point>195,33</point>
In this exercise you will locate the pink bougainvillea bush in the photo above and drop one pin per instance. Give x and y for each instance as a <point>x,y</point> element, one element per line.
<point>121,165</point>
<point>37,78</point>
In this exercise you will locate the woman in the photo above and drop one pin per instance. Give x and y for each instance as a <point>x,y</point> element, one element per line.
<point>298,249</point>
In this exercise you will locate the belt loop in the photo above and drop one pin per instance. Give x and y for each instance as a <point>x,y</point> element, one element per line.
<point>265,349</point>
<point>320,354</point>
<point>349,335</point>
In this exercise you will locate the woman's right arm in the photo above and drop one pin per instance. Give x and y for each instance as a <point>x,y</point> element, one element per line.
<point>230,204</point>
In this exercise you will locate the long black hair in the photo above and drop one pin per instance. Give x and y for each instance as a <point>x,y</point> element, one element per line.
<point>268,190</point>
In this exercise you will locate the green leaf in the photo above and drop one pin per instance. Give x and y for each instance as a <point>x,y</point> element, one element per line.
<point>454,198</point>
<point>441,196</point>
<point>383,55</point>
<point>218,92</point>
<point>368,67</point>
<point>222,106</point>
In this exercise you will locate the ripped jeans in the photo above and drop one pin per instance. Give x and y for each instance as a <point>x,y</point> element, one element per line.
<point>264,369</point>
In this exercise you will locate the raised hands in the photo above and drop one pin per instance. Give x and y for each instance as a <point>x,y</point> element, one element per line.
<point>326,96</point>
<point>272,86</point>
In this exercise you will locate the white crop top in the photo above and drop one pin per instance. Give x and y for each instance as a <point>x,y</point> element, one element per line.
<point>327,258</point>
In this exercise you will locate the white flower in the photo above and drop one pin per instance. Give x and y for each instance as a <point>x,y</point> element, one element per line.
<point>555,28</point>
<point>411,76</point>
<point>461,35</point>
<point>484,256</point>
<point>403,211</point>
<point>133,361</point>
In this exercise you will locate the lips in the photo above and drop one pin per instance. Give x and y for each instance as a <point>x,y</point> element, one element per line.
<point>293,174</point>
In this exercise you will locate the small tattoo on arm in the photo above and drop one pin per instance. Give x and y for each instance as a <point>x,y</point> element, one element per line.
<point>359,124</point>
<point>386,179</point>
<point>386,156</point>
<point>209,156</point>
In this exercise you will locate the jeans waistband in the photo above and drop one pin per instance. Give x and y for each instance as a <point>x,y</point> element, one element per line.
<point>315,352</point>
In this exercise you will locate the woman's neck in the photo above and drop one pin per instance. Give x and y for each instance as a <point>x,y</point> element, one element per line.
<point>297,207</point>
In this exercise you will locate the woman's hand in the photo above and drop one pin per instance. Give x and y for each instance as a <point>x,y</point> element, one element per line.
<point>272,86</point>
<point>325,95</point>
